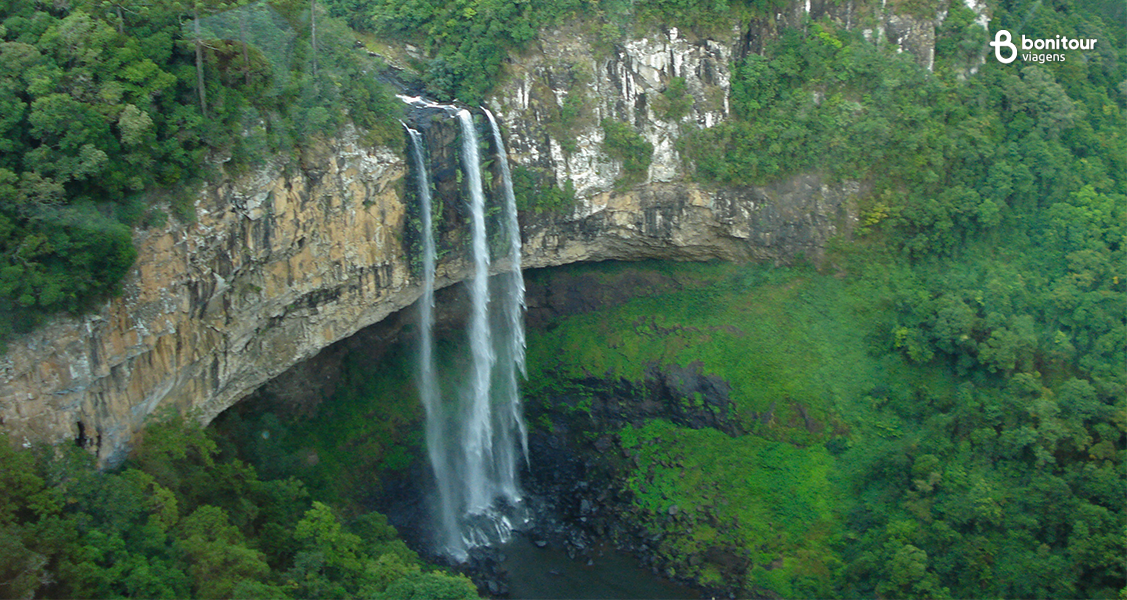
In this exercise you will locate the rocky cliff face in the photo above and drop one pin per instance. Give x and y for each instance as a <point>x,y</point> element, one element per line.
<point>277,266</point>
<point>559,92</point>
<point>288,260</point>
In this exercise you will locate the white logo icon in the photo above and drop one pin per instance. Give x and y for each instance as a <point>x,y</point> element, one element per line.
<point>1003,39</point>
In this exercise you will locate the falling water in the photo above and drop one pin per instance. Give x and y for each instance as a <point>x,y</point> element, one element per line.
<point>511,336</point>
<point>478,423</point>
<point>437,450</point>
<point>475,458</point>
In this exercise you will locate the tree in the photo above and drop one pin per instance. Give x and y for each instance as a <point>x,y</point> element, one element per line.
<point>22,570</point>
<point>218,557</point>
<point>313,34</point>
<point>24,501</point>
<point>198,42</point>
<point>322,533</point>
<point>427,586</point>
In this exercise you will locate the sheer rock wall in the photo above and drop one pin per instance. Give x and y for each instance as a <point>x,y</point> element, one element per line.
<point>283,262</point>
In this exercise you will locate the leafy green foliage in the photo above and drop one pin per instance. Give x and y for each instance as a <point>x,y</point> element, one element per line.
<point>371,425</point>
<point>536,192</point>
<point>835,103</point>
<point>467,41</point>
<point>942,417</point>
<point>622,143</point>
<point>948,157</point>
<point>674,102</point>
<point>182,520</point>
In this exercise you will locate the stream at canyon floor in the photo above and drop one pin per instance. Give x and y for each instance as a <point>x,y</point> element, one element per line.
<point>545,573</point>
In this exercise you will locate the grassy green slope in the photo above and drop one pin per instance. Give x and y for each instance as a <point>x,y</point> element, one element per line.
<point>782,338</point>
<point>908,472</point>
<point>779,337</point>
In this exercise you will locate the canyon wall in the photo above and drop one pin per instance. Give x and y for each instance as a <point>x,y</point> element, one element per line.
<point>284,261</point>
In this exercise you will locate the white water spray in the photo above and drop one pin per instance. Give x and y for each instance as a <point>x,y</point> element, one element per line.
<point>511,344</point>
<point>475,459</point>
<point>437,449</point>
<point>478,423</point>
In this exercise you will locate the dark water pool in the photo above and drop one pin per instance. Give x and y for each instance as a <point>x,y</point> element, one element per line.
<point>546,573</point>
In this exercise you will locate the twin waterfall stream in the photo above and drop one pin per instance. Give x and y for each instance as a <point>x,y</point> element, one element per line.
<point>475,435</point>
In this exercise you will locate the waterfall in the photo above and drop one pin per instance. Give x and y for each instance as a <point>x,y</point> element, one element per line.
<point>436,435</point>
<point>478,435</point>
<point>475,437</point>
<point>511,344</point>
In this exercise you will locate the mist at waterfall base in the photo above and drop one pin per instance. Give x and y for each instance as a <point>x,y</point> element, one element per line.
<point>475,435</point>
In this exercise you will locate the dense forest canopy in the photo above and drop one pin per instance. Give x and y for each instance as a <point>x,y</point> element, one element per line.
<point>112,113</point>
<point>975,384</point>
<point>179,521</point>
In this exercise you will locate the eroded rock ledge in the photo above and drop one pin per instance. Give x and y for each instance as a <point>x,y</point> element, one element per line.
<point>279,266</point>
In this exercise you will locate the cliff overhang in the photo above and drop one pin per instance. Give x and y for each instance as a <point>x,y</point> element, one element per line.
<point>282,262</point>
